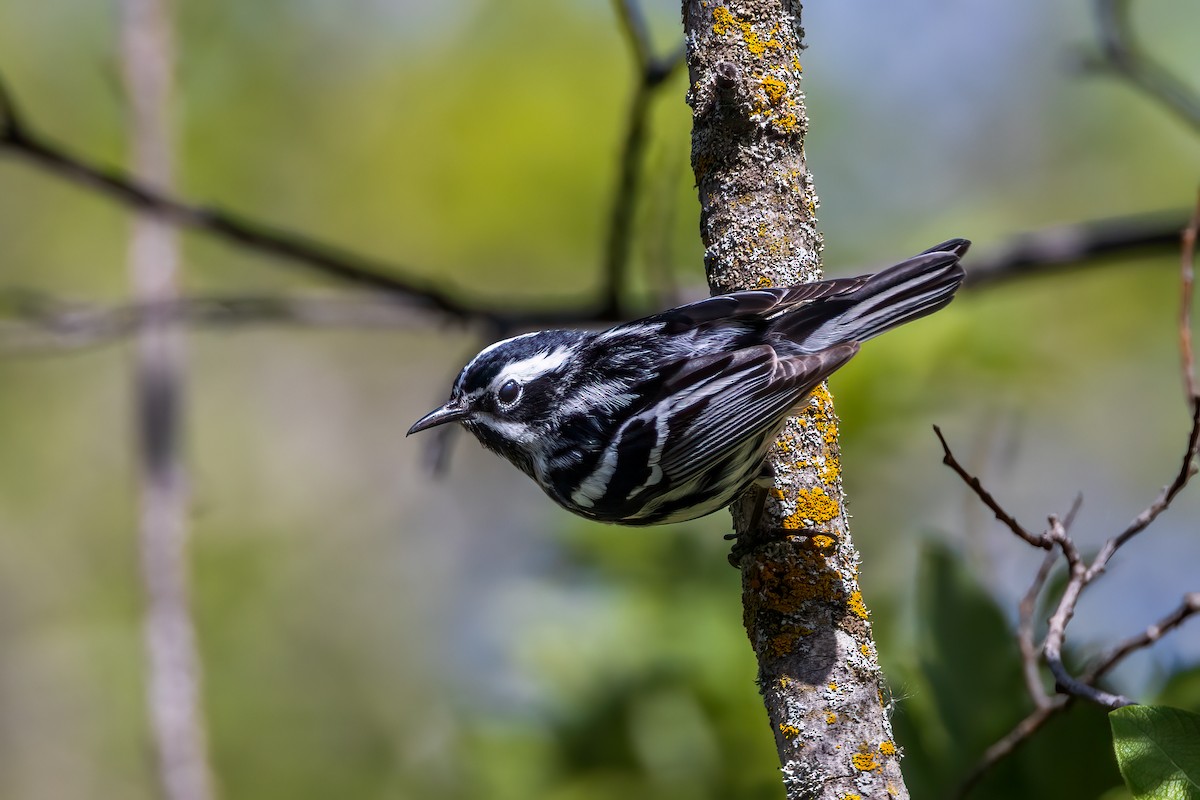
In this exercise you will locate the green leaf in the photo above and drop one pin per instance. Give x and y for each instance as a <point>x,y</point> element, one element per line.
<point>1158,751</point>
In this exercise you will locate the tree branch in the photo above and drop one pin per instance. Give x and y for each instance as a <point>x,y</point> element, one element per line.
<point>42,324</point>
<point>1061,247</point>
<point>1030,652</point>
<point>1121,55</point>
<point>1187,271</point>
<point>803,610</point>
<point>1189,607</point>
<point>18,137</point>
<point>1038,253</point>
<point>1037,540</point>
<point>653,73</point>
<point>1083,573</point>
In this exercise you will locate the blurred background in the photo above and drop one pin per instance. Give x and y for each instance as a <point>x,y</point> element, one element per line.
<point>368,629</point>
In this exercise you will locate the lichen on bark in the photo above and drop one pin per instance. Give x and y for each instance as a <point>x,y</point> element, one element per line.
<point>803,608</point>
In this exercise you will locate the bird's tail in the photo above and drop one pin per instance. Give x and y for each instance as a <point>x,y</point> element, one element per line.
<point>910,290</point>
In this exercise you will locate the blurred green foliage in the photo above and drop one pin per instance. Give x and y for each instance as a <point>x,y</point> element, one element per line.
<point>368,631</point>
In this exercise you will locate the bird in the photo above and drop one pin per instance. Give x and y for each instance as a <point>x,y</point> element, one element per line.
<point>669,417</point>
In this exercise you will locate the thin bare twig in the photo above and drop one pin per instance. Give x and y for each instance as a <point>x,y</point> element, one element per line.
<point>657,249</point>
<point>1188,467</point>
<point>1030,652</point>
<point>1056,630</point>
<point>1082,574</point>
<point>18,137</point>
<point>1037,540</point>
<point>38,324</point>
<point>652,74</point>
<point>1186,470</point>
<point>1189,607</point>
<point>1121,55</point>
<point>1188,271</point>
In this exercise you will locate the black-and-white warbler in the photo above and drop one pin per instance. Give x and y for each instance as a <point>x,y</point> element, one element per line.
<point>669,417</point>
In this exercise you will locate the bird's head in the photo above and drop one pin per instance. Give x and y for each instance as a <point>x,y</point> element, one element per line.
<point>507,393</point>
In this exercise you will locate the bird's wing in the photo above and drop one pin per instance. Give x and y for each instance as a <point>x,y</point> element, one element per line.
<point>753,302</point>
<point>767,302</point>
<point>713,416</point>
<point>706,412</point>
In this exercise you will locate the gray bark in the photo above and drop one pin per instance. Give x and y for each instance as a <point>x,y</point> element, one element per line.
<point>803,610</point>
<point>172,660</point>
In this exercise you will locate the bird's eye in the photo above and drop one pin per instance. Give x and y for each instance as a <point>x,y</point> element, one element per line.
<point>509,392</point>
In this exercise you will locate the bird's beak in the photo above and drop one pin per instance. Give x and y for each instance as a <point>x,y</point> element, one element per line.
<point>453,411</point>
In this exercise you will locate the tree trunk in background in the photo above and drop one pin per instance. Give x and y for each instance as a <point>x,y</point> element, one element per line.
<point>172,660</point>
<point>804,613</point>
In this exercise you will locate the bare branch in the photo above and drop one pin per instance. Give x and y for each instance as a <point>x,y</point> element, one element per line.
<point>1189,607</point>
<point>633,25</point>
<point>1188,273</point>
<point>1186,470</point>
<point>10,116</point>
<point>1037,540</point>
<point>1061,247</point>
<point>1057,629</point>
<point>1121,55</point>
<point>1082,574</point>
<point>653,73</point>
<point>325,259</point>
<point>38,324</point>
<point>1030,653</point>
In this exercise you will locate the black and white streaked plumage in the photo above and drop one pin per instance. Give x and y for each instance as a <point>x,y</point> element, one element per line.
<point>669,418</point>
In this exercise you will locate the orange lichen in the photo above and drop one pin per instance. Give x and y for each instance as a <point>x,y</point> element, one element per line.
<point>830,718</point>
<point>789,731</point>
<point>887,748</point>
<point>764,282</point>
<point>774,88</point>
<point>831,469</point>
<point>865,762</point>
<point>821,395</point>
<point>724,22</point>
<point>785,587</point>
<point>787,123</point>
<point>812,505</point>
<point>857,606</point>
<point>832,686</point>
<point>819,413</point>
<point>822,542</point>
